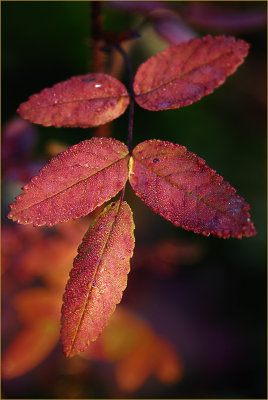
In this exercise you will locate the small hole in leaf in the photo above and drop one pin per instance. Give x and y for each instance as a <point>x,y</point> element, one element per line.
<point>155,160</point>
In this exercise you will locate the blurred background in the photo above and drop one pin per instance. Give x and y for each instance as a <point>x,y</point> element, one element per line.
<point>192,322</point>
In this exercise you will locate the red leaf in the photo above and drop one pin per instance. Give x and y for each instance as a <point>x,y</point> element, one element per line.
<point>74,183</point>
<point>98,277</point>
<point>182,74</point>
<point>178,185</point>
<point>82,101</point>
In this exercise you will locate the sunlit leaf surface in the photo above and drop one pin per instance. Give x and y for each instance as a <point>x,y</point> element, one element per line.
<point>74,183</point>
<point>98,277</point>
<point>182,74</point>
<point>82,101</point>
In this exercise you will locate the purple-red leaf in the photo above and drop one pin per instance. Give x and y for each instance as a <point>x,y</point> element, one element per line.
<point>170,26</point>
<point>211,16</point>
<point>98,277</point>
<point>74,183</point>
<point>178,185</point>
<point>182,74</point>
<point>82,101</point>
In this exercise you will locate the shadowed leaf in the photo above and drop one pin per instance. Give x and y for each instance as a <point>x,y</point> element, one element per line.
<point>18,142</point>
<point>137,351</point>
<point>140,7</point>
<point>37,303</point>
<point>38,309</point>
<point>164,257</point>
<point>147,354</point>
<point>182,74</point>
<point>59,250</point>
<point>178,185</point>
<point>74,183</point>
<point>30,347</point>
<point>170,26</point>
<point>169,367</point>
<point>82,101</point>
<point>98,277</point>
<point>212,16</point>
<point>133,370</point>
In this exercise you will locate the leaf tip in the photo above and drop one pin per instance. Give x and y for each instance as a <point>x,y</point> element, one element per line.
<point>69,352</point>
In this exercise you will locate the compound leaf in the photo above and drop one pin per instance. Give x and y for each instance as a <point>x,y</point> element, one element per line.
<point>182,74</point>
<point>98,277</point>
<point>82,101</point>
<point>74,183</point>
<point>178,185</point>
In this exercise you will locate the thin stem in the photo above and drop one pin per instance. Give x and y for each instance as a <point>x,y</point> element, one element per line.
<point>131,103</point>
<point>128,66</point>
<point>130,92</point>
<point>130,124</point>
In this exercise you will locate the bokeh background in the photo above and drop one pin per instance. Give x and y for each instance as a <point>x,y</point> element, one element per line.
<point>192,322</point>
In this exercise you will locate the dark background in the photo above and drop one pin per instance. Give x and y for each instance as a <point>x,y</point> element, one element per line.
<point>214,310</point>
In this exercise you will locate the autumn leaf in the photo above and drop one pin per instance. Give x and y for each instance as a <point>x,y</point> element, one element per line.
<point>178,185</point>
<point>147,353</point>
<point>218,17</point>
<point>137,351</point>
<point>59,252</point>
<point>170,26</point>
<point>30,347</point>
<point>163,257</point>
<point>136,368</point>
<point>74,183</point>
<point>155,357</point>
<point>18,142</point>
<point>82,101</point>
<point>123,334</point>
<point>182,74</point>
<point>37,303</point>
<point>169,368</point>
<point>98,277</point>
<point>38,309</point>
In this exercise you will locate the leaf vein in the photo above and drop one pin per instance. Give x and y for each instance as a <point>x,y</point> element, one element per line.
<point>183,75</point>
<point>188,192</point>
<point>62,103</point>
<point>93,280</point>
<point>72,185</point>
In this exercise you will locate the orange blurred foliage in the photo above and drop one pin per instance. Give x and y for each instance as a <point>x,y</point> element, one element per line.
<point>137,351</point>
<point>128,342</point>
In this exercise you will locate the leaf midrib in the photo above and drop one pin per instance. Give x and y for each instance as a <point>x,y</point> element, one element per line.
<point>102,253</point>
<point>186,191</point>
<point>69,187</point>
<point>184,75</point>
<point>81,100</point>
